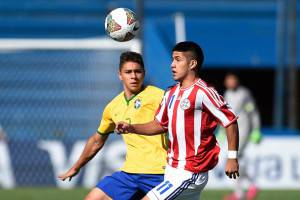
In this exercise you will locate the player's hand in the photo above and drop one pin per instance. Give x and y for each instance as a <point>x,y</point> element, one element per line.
<point>123,128</point>
<point>69,174</point>
<point>232,168</point>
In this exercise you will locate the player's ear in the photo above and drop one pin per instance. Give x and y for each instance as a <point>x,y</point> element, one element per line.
<point>120,76</point>
<point>193,64</point>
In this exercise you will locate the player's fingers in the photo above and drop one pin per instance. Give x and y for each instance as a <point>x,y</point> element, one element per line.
<point>117,131</point>
<point>236,174</point>
<point>62,178</point>
<point>227,173</point>
<point>120,128</point>
<point>232,174</point>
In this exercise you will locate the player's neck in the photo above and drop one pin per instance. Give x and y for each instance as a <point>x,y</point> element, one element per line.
<point>130,94</point>
<point>188,81</point>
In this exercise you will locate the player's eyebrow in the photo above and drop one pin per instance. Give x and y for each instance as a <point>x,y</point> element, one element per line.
<point>177,57</point>
<point>133,70</point>
<point>128,70</point>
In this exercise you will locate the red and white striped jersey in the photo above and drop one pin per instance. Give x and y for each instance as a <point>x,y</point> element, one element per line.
<point>191,115</point>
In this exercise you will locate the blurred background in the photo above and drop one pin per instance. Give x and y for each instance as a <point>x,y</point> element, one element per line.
<point>58,71</point>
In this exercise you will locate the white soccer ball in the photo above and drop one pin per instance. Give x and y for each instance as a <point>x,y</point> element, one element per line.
<point>121,24</point>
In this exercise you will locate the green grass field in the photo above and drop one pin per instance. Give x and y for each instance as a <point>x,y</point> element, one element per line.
<point>79,193</point>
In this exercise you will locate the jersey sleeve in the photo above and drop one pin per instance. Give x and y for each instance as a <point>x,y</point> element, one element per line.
<point>215,104</point>
<point>107,125</point>
<point>162,112</point>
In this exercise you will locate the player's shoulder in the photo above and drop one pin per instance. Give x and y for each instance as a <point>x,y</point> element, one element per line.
<point>202,85</point>
<point>153,89</point>
<point>206,89</point>
<point>151,93</point>
<point>171,87</point>
<point>244,89</point>
<point>116,100</point>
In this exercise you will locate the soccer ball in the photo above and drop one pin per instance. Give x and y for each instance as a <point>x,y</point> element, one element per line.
<point>121,24</point>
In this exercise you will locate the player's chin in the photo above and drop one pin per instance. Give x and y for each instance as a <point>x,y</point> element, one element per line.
<point>135,88</point>
<point>176,78</point>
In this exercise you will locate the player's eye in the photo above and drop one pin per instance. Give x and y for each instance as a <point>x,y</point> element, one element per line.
<point>139,71</point>
<point>177,58</point>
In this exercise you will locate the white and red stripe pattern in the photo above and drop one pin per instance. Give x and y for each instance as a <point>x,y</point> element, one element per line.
<point>191,116</point>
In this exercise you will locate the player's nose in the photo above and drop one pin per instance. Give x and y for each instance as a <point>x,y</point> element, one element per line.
<point>172,65</point>
<point>133,75</point>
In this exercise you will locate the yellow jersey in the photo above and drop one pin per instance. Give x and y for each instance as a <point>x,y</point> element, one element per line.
<point>144,154</point>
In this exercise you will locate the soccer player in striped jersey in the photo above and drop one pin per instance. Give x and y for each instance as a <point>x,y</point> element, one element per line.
<point>145,156</point>
<point>190,111</point>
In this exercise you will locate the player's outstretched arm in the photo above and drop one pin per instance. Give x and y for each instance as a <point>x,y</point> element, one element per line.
<point>93,145</point>
<point>232,165</point>
<point>150,128</point>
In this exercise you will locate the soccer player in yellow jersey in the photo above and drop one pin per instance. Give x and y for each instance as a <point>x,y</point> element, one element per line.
<point>145,155</point>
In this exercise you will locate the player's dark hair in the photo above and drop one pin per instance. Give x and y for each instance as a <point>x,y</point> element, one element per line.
<point>232,73</point>
<point>130,56</point>
<point>195,49</point>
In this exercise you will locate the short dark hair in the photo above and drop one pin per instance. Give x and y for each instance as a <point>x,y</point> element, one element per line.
<point>232,73</point>
<point>195,49</point>
<point>130,56</point>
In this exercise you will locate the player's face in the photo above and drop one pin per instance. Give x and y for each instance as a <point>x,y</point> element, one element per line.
<point>132,75</point>
<point>180,65</point>
<point>231,82</point>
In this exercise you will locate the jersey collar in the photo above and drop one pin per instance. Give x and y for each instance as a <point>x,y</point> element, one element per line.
<point>133,96</point>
